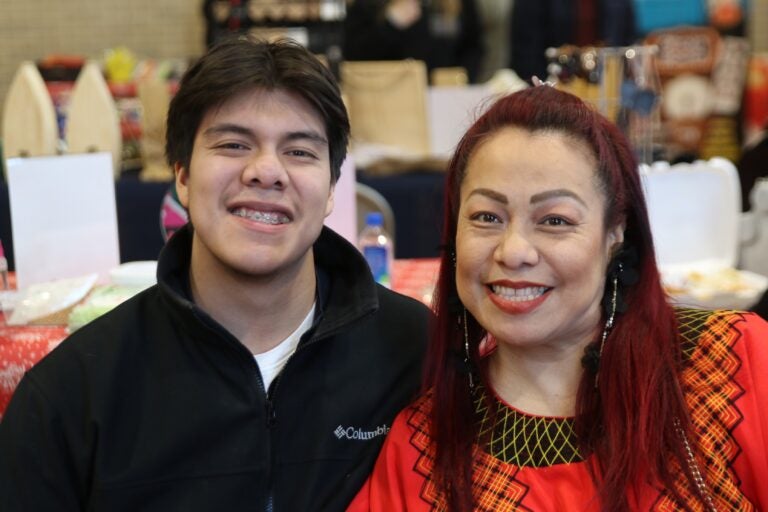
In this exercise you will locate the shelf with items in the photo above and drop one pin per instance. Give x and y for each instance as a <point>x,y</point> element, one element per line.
<point>317,24</point>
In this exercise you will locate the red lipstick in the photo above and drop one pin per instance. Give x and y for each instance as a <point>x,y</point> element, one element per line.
<point>517,307</point>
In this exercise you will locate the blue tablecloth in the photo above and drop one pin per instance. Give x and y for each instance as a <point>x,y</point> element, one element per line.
<point>416,199</point>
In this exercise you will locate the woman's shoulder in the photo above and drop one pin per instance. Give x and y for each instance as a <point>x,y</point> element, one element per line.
<point>703,329</point>
<point>724,378</point>
<point>720,347</point>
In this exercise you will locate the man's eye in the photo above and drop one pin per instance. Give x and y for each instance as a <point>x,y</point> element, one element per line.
<point>301,153</point>
<point>231,145</point>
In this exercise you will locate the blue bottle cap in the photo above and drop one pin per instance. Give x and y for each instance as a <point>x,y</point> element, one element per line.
<point>374,219</point>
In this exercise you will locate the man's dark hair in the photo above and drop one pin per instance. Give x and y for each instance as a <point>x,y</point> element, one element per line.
<point>241,64</point>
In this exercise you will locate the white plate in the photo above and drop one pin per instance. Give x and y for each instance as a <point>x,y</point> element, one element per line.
<point>135,273</point>
<point>723,289</point>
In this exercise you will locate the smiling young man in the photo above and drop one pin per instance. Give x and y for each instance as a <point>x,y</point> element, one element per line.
<point>264,369</point>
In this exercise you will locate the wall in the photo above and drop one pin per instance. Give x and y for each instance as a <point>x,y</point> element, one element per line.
<point>32,29</point>
<point>757,25</point>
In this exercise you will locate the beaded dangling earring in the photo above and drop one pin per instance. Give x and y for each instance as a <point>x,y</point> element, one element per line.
<point>594,351</point>
<point>467,359</point>
<point>455,303</point>
<point>609,322</point>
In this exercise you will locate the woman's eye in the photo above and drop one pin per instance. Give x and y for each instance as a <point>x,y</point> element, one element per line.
<point>556,221</point>
<point>486,217</point>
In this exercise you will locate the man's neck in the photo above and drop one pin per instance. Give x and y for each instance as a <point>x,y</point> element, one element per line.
<point>259,311</point>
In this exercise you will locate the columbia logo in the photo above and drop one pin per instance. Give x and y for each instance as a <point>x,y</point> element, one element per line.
<point>359,434</point>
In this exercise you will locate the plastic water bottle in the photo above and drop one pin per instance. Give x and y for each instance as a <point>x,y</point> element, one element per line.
<point>3,270</point>
<point>377,247</point>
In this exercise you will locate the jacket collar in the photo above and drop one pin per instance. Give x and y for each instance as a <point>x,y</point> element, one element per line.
<point>346,289</point>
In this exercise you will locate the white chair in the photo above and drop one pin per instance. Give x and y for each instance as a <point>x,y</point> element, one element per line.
<point>754,231</point>
<point>369,200</point>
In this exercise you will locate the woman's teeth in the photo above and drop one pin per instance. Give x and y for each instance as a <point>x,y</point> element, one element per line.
<point>519,294</point>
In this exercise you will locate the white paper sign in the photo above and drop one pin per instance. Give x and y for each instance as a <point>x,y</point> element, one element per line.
<point>63,217</point>
<point>451,111</point>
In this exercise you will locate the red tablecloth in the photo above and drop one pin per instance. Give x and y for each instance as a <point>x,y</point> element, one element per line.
<point>415,278</point>
<point>23,346</point>
<point>20,348</point>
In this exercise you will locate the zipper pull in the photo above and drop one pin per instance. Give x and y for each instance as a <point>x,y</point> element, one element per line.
<point>271,415</point>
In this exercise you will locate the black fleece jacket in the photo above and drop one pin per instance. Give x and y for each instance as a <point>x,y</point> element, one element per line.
<point>156,407</point>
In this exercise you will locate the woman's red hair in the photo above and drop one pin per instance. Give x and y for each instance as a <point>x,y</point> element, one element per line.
<point>628,424</point>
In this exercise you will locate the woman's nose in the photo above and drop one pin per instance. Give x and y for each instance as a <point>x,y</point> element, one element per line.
<point>265,169</point>
<point>516,248</point>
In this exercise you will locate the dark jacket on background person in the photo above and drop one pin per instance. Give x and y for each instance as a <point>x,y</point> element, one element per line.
<point>368,35</point>
<point>540,24</point>
<point>752,166</point>
<point>156,407</point>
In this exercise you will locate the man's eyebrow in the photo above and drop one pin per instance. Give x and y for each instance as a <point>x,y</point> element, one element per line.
<point>238,129</point>
<point>218,129</point>
<point>558,192</point>
<point>310,135</point>
<point>490,194</point>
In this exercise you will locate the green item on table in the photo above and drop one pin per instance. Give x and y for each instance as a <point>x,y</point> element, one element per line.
<point>101,299</point>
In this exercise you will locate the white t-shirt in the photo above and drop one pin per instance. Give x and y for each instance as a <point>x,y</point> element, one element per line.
<point>272,361</point>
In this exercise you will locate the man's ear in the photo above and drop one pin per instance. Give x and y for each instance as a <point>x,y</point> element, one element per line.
<point>330,203</point>
<point>182,179</point>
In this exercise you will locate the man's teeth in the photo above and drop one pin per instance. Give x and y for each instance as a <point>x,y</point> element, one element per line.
<point>519,294</point>
<point>263,217</point>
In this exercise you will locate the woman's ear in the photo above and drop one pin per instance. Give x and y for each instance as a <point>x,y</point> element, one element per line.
<point>616,237</point>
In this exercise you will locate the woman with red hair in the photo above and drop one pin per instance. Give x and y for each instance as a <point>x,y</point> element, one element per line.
<point>559,377</point>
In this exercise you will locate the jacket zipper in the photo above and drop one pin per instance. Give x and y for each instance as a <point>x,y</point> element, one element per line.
<point>269,411</point>
<point>270,408</point>
<point>271,415</point>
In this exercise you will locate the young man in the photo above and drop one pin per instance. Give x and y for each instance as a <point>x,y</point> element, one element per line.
<point>263,371</point>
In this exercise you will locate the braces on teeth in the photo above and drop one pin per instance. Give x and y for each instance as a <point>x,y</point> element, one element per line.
<point>267,218</point>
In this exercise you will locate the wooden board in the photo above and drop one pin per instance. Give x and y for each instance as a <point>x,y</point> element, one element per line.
<point>93,124</point>
<point>29,117</point>
<point>155,98</point>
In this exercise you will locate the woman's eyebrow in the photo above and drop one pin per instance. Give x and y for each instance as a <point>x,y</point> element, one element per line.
<point>558,192</point>
<point>490,194</point>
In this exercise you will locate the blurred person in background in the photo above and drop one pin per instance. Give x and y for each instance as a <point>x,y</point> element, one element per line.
<point>753,165</point>
<point>559,377</point>
<point>540,24</point>
<point>442,33</point>
<point>494,25</point>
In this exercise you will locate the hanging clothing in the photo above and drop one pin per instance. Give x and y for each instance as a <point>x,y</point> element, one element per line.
<point>438,39</point>
<point>494,23</point>
<point>538,25</point>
